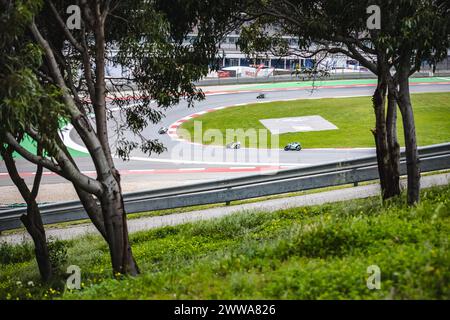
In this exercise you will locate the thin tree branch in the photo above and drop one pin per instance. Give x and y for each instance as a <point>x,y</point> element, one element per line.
<point>63,26</point>
<point>69,170</point>
<point>38,176</point>
<point>9,139</point>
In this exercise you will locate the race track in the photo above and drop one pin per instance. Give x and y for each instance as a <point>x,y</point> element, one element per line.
<point>184,162</point>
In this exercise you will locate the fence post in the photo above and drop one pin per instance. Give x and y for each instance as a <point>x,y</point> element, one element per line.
<point>227,203</point>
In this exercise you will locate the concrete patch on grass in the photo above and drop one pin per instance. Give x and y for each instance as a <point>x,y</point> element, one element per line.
<point>298,124</point>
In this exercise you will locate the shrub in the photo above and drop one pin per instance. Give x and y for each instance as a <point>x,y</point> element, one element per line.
<point>58,253</point>
<point>16,253</point>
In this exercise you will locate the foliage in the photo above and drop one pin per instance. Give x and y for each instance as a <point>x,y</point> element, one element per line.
<point>162,68</point>
<point>25,102</point>
<point>52,74</point>
<point>10,253</point>
<point>57,254</point>
<point>411,31</point>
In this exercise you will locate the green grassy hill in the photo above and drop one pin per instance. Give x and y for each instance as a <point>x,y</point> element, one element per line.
<point>353,116</point>
<point>320,252</point>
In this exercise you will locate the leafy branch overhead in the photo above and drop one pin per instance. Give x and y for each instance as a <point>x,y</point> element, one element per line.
<point>162,68</point>
<point>27,103</point>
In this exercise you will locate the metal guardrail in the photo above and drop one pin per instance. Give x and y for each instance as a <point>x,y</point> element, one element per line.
<point>291,78</point>
<point>208,82</point>
<point>436,157</point>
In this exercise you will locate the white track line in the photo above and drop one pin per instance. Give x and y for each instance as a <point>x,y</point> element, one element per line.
<point>65,136</point>
<point>180,161</point>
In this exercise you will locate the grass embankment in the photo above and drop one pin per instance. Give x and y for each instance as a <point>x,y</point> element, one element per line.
<point>353,116</point>
<point>166,212</point>
<point>306,253</point>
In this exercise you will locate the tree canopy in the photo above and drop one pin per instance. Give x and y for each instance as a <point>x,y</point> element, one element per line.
<point>51,74</point>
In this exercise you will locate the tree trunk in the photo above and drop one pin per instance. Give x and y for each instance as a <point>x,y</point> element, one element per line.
<point>93,210</point>
<point>107,186</point>
<point>33,223</point>
<point>32,220</point>
<point>392,141</point>
<point>387,164</point>
<point>116,227</point>
<point>113,209</point>
<point>111,206</point>
<point>409,129</point>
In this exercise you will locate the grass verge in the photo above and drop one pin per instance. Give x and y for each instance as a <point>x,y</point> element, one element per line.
<point>353,116</point>
<point>319,252</point>
<point>165,212</point>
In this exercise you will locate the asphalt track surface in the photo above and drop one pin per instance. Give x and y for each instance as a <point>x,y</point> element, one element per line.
<point>185,163</point>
